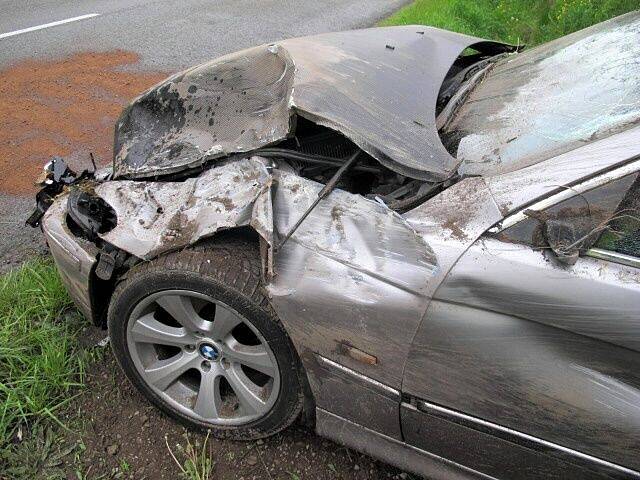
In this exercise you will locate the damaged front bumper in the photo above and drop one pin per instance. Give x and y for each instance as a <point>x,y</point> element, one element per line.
<point>72,219</point>
<point>74,256</point>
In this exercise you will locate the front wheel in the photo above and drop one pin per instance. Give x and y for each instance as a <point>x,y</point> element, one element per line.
<point>194,333</point>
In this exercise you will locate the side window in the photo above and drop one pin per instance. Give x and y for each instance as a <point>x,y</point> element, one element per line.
<point>623,232</point>
<point>606,217</point>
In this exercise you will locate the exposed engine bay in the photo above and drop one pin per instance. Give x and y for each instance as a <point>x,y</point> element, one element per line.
<point>316,152</point>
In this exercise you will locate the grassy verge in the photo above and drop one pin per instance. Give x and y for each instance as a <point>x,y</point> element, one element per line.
<point>39,364</point>
<point>514,21</point>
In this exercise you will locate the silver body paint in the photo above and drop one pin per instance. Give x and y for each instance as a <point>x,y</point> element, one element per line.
<point>250,99</point>
<point>491,360</point>
<point>74,257</point>
<point>166,216</point>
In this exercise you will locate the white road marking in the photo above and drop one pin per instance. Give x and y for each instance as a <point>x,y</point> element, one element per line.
<point>47,25</point>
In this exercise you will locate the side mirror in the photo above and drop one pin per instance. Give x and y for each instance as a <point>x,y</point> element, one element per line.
<point>563,239</point>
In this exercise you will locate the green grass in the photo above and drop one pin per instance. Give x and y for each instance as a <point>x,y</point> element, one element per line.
<point>527,22</point>
<point>39,360</point>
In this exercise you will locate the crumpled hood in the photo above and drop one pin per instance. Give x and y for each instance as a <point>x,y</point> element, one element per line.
<point>377,86</point>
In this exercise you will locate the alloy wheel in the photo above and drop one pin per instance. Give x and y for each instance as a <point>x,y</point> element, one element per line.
<point>203,357</point>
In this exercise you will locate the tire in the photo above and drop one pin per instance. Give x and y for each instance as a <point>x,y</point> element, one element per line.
<point>270,397</point>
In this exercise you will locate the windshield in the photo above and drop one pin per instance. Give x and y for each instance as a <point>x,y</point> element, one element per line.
<point>548,100</point>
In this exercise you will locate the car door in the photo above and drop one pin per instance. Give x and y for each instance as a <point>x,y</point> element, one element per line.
<point>527,362</point>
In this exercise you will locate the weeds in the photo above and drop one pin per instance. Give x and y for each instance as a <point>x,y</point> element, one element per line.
<point>527,22</point>
<point>41,455</point>
<point>197,464</point>
<point>39,366</point>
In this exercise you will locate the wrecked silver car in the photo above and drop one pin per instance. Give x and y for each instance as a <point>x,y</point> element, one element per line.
<point>425,244</point>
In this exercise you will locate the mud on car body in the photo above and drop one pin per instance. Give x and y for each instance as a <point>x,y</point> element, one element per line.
<point>427,242</point>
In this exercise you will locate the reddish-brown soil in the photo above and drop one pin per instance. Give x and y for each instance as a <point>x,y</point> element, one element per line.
<point>64,107</point>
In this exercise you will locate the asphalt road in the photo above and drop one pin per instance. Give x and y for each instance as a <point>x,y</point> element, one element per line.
<point>173,34</point>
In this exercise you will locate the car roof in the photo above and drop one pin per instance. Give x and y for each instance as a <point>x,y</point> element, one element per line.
<point>551,99</point>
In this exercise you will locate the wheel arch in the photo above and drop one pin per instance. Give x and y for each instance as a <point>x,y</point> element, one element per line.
<point>102,292</point>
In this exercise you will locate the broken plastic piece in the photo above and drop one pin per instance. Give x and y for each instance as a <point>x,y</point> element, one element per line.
<point>56,175</point>
<point>106,265</point>
<point>91,213</point>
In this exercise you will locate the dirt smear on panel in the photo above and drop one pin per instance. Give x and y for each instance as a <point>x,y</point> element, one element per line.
<point>64,107</point>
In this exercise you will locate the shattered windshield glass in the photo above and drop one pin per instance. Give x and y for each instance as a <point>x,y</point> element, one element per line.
<point>607,217</point>
<point>551,99</point>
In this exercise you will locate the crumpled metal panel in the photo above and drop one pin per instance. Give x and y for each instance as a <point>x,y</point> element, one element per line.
<point>73,256</point>
<point>236,103</point>
<point>378,86</point>
<point>551,99</point>
<point>352,230</point>
<point>156,217</point>
<point>352,271</point>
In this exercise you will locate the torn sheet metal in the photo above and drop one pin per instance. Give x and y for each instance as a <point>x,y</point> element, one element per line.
<point>156,217</point>
<point>350,229</point>
<point>377,86</point>
<point>546,101</point>
<point>352,267</point>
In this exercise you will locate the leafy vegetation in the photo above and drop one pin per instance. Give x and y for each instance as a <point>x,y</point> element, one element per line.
<point>42,454</point>
<point>39,364</point>
<point>527,22</point>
